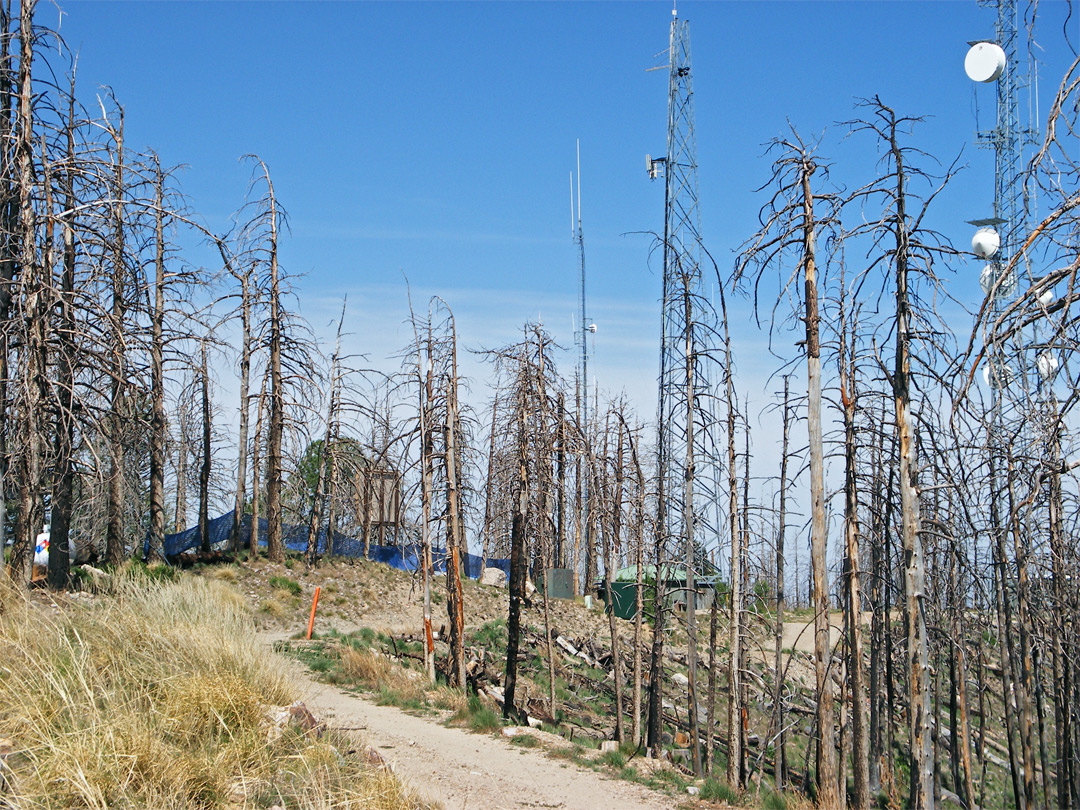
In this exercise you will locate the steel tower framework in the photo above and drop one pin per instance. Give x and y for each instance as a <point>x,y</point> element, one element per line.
<point>687,461</point>
<point>1012,372</point>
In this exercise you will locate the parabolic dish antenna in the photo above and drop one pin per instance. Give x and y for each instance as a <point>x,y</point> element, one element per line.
<point>985,242</point>
<point>1000,378</point>
<point>1048,365</point>
<point>1006,289</point>
<point>985,62</point>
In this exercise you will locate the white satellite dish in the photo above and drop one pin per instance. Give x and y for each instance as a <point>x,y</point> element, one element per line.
<point>985,242</point>
<point>1048,365</point>
<point>1007,288</point>
<point>1046,298</point>
<point>1000,378</point>
<point>985,62</point>
<point>592,328</point>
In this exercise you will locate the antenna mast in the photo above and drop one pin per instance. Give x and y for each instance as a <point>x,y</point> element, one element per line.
<point>1010,372</point>
<point>586,328</point>
<point>687,427</point>
<point>579,239</point>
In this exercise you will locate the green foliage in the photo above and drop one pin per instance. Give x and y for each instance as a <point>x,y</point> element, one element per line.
<point>285,584</point>
<point>774,801</point>
<point>480,717</point>
<point>158,572</point>
<point>716,791</point>
<point>614,759</point>
<point>491,636</point>
<point>762,594</point>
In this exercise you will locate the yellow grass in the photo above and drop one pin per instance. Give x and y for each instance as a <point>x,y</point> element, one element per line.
<point>158,697</point>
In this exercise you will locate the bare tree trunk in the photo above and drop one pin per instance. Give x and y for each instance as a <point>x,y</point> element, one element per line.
<point>115,550</point>
<point>330,496</point>
<point>877,631</point>
<point>639,587</point>
<point>826,756</point>
<point>182,452</point>
<point>654,722</point>
<point>960,737</point>
<point>245,383</point>
<point>9,239</point>
<point>424,387</point>
<point>63,443</point>
<point>318,504</point>
<point>204,469</point>
<point>609,566</point>
<point>688,540</point>
<point>734,681</point>
<point>860,743</point>
<point>30,459</point>
<point>710,701</point>
<point>454,603</point>
<point>156,546</point>
<point>588,534</point>
<point>922,763</point>
<point>780,746</point>
<point>256,460</point>
<point>275,548</point>
<point>1025,685</point>
<point>489,516</point>
<point>517,562</point>
<point>1061,663</point>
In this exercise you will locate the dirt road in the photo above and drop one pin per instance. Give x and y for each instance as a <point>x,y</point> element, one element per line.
<point>467,771</point>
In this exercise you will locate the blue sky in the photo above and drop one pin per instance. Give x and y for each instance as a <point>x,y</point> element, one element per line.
<point>435,140</point>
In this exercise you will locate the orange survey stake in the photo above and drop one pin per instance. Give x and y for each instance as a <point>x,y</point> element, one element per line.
<point>314,604</point>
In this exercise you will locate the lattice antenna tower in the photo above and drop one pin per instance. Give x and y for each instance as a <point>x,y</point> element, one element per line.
<point>1010,371</point>
<point>687,320</point>
<point>586,328</point>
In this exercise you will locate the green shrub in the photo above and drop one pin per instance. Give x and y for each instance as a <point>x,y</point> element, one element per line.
<point>716,791</point>
<point>285,584</point>
<point>615,759</point>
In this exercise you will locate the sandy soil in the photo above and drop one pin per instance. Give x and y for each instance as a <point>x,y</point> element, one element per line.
<point>465,771</point>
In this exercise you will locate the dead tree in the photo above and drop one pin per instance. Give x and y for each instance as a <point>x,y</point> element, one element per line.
<point>909,249</point>
<point>790,224</point>
<point>64,430</point>
<point>33,305</point>
<point>267,220</point>
<point>780,746</point>
<point>860,748</point>
<point>517,553</point>
<point>326,451</point>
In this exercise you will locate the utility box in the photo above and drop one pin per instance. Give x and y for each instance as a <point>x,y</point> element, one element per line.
<point>623,598</point>
<point>559,583</point>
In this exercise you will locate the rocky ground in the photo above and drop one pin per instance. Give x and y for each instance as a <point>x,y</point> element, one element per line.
<point>360,593</point>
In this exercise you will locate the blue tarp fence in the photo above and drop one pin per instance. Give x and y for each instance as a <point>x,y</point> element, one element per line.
<point>403,557</point>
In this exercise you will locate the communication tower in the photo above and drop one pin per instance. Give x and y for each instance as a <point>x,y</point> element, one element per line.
<point>687,460</point>
<point>687,320</point>
<point>1020,383</point>
<point>582,335</point>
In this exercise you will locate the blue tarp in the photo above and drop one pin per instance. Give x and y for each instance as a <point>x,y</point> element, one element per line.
<point>405,557</point>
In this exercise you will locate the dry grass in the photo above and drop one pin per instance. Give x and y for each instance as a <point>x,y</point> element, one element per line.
<point>225,573</point>
<point>365,666</point>
<point>158,697</point>
<point>273,607</point>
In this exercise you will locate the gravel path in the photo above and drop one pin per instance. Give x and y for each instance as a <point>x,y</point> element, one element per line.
<point>465,771</point>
